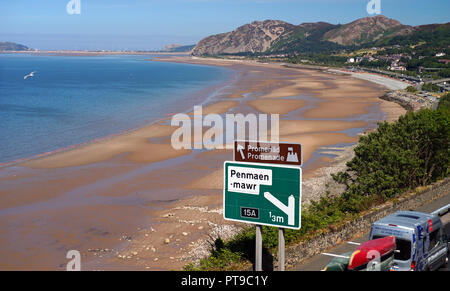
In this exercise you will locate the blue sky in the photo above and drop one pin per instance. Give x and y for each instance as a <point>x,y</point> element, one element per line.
<point>151,24</point>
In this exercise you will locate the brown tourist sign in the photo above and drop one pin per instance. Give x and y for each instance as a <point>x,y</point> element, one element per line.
<point>268,152</point>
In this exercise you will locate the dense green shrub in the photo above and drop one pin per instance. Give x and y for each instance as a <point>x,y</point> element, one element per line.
<point>444,103</point>
<point>414,151</point>
<point>444,73</point>
<point>430,87</point>
<point>411,89</point>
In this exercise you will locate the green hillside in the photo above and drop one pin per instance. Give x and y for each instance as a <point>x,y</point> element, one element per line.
<point>305,39</point>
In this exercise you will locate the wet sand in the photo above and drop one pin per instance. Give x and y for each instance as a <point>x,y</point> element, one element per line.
<point>132,202</point>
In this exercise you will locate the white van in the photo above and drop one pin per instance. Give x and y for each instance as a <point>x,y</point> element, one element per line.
<point>421,243</point>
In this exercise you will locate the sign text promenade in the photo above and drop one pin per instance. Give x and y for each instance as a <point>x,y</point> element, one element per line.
<point>268,152</point>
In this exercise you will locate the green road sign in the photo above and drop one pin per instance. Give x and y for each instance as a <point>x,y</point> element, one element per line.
<point>264,194</point>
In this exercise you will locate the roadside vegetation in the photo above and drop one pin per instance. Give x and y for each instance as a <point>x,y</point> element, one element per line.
<point>444,103</point>
<point>430,87</point>
<point>398,157</point>
<point>411,89</point>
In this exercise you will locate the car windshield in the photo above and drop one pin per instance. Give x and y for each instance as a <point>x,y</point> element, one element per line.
<point>403,248</point>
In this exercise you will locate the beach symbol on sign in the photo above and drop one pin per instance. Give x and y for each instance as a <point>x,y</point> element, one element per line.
<point>291,156</point>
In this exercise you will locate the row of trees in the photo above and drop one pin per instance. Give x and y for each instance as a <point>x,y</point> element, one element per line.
<point>430,87</point>
<point>414,151</point>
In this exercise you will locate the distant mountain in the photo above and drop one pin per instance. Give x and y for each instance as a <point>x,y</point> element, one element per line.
<point>10,46</point>
<point>254,37</point>
<point>170,47</point>
<point>367,30</point>
<point>275,36</point>
<point>178,48</point>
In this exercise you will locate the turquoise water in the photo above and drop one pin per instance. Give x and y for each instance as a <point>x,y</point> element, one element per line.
<point>71,100</point>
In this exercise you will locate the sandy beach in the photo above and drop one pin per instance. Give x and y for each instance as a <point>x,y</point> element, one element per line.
<point>132,202</point>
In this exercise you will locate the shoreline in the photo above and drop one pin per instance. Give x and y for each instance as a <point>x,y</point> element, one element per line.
<point>187,218</point>
<point>91,53</point>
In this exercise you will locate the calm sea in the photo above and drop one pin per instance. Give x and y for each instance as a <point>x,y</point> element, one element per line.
<point>71,100</point>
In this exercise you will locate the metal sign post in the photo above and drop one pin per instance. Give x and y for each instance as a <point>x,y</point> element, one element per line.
<point>281,249</point>
<point>258,248</point>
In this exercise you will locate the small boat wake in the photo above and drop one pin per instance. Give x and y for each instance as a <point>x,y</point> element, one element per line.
<point>29,75</point>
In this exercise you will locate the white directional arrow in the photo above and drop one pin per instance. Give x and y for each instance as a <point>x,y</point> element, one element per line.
<point>289,209</point>
<point>240,149</point>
